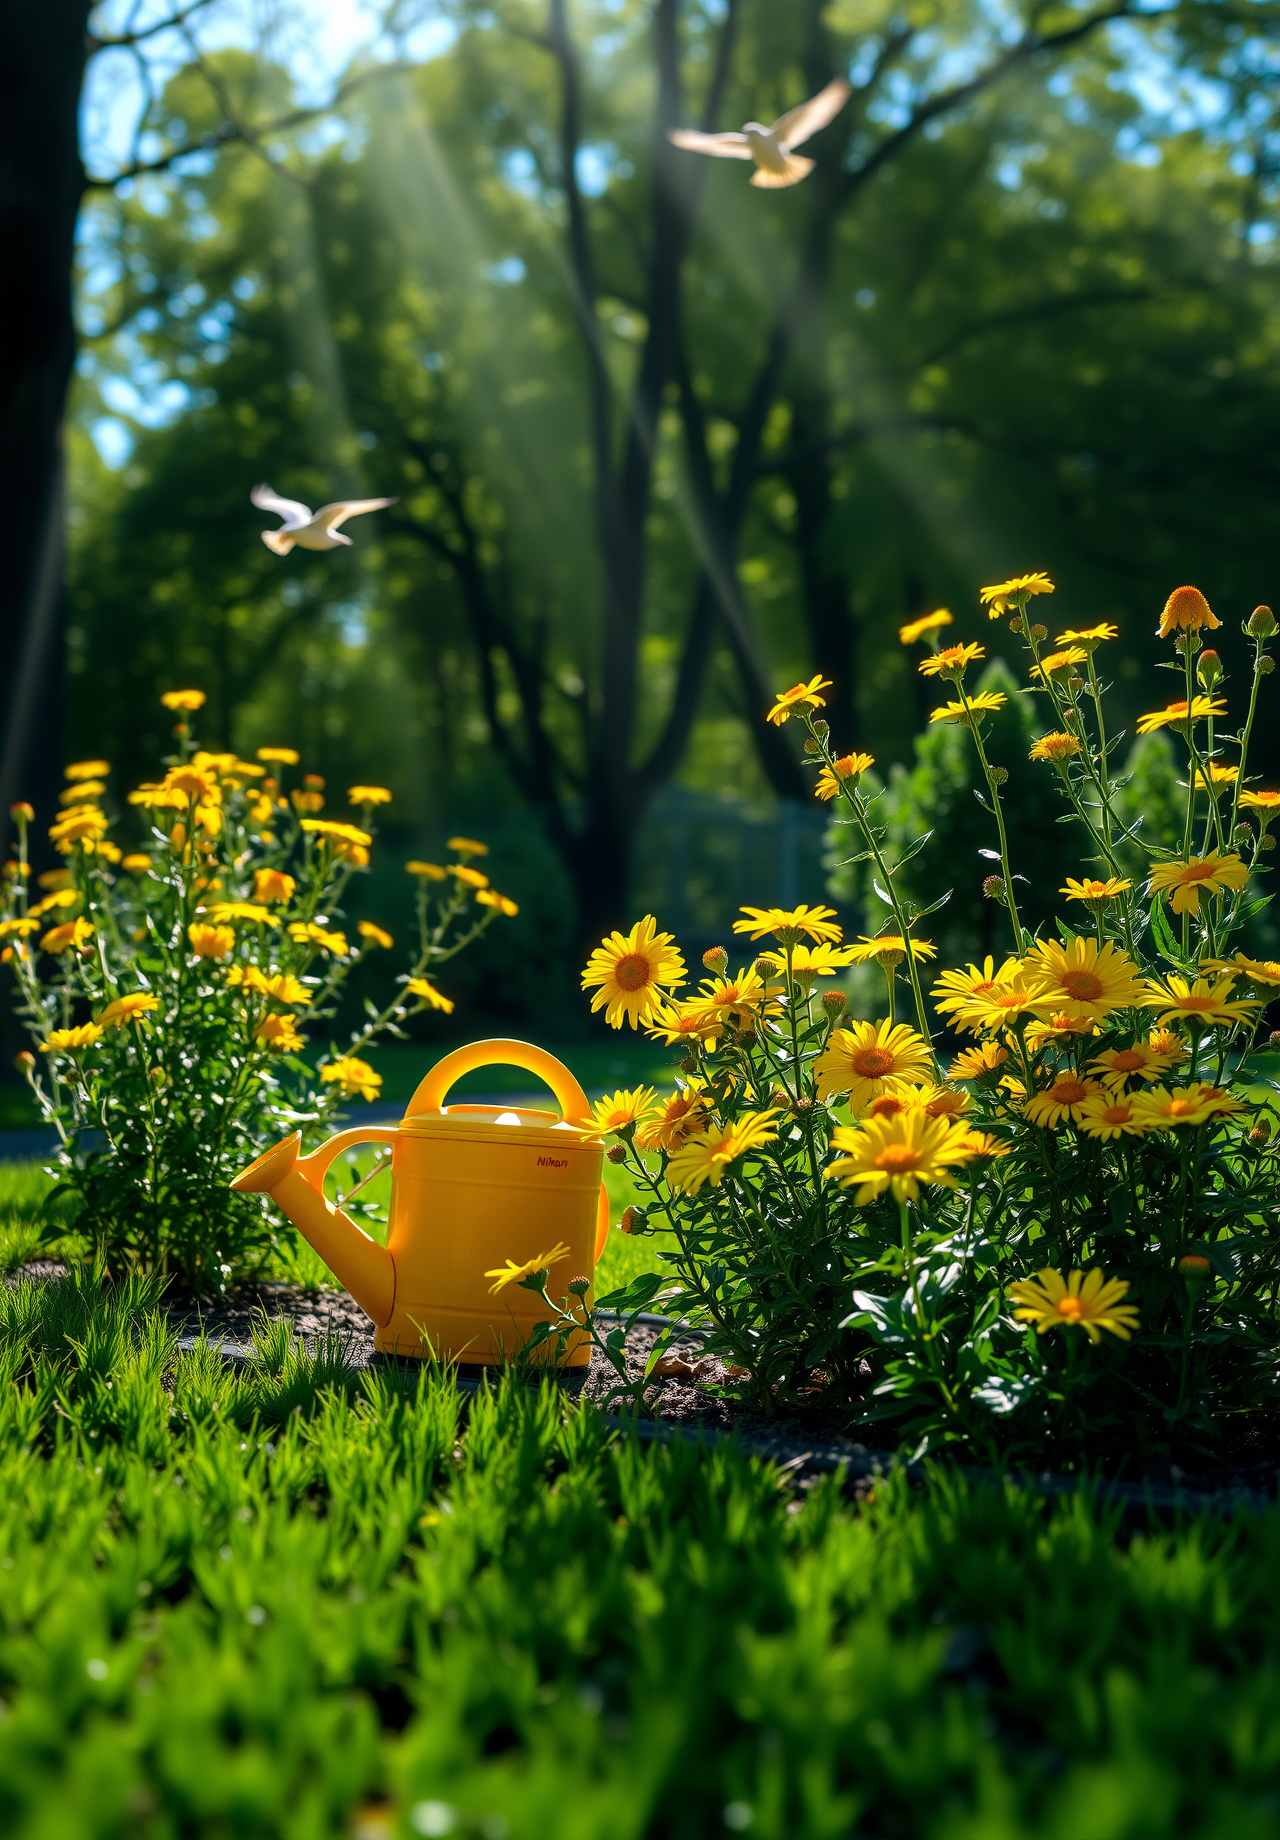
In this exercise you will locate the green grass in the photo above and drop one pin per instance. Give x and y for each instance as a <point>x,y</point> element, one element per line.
<point>293,1602</point>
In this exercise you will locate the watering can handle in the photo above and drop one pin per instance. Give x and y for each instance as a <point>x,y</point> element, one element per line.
<point>314,1168</point>
<point>431,1095</point>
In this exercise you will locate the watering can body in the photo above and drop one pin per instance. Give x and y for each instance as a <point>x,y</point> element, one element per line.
<point>472,1186</point>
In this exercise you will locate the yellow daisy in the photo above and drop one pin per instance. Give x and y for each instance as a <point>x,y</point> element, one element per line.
<point>978,1063</point>
<point>811,922</point>
<point>71,937</point>
<point>623,1110</point>
<point>1054,746</point>
<point>1090,637</point>
<point>898,1154</point>
<point>705,1158</point>
<point>1186,879</point>
<point>426,992</point>
<point>184,700</point>
<point>999,1008</point>
<point>983,1144</point>
<point>860,1061</point>
<point>211,941</point>
<point>1093,890</point>
<point>427,871</point>
<point>223,913</point>
<point>280,1035</point>
<point>353,1075</point>
<point>927,623</point>
<point>951,661</point>
<point>1092,1304</point>
<point>1059,661</point>
<point>1203,1001</point>
<point>310,933</point>
<point>467,846</point>
<point>847,767</point>
<point>1064,1099</point>
<point>1185,610</point>
<point>1082,978</point>
<point>889,949</point>
<point>674,1023</point>
<point>376,935</point>
<point>86,769</point>
<point>1116,1066</point>
<point>810,962</point>
<point>71,1041</point>
<point>1260,801</point>
<point>1257,970</point>
<point>1015,592</point>
<point>135,1007</point>
<point>1175,715</point>
<point>1057,1027</point>
<point>1111,1114</point>
<point>633,972</point>
<point>511,1273</point>
<point>1166,1107</point>
<point>954,990</point>
<point>681,1115</point>
<point>985,703</point>
<point>799,696</point>
<point>368,795</point>
<point>502,903</point>
<point>1218,779</point>
<point>734,1001</point>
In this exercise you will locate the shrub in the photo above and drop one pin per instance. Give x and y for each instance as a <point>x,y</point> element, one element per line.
<point>1067,1238</point>
<point>170,991</point>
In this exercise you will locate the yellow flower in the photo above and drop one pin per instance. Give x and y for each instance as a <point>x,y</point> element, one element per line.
<point>1000,1008</point>
<point>223,912</point>
<point>982,1143</point>
<point>1164,1107</point>
<point>280,1035</point>
<point>272,885</point>
<point>282,987</point>
<point>87,769</point>
<point>952,661</point>
<point>307,800</point>
<point>511,1273</point>
<point>734,1001</point>
<point>1167,1045</point>
<point>137,864</point>
<point>1057,1027</point>
<point>897,1097</point>
<point>1016,592</point>
<point>337,834</point>
<point>1174,715</point>
<point>1059,661</point>
<point>674,1023</point>
<point>986,702</point>
<point>287,757</point>
<point>59,898</point>
<point>889,949</point>
<point>1186,609</point>
<point>70,1041</point>
<point>813,922</point>
<point>426,872</point>
<point>1064,1099</point>
<point>799,696</point>
<point>954,991</point>
<point>1218,779</point>
<point>1111,1114</point>
<point>810,962</point>
<point>927,623</point>
<point>353,1076</point>
<point>978,1063</point>
<point>1213,871</point>
<point>22,813</point>
<point>211,941</point>
<point>80,824</point>
<point>308,933</point>
<point>1260,801</point>
<point>1055,747</point>
<point>1083,979</point>
<point>705,1158</point>
<point>1142,1061</point>
<point>942,1101</point>
<point>368,795</point>
<point>1092,1304</point>
<point>187,700</point>
<point>1093,890</point>
<point>848,766</point>
<point>860,1060</point>
<point>899,1154</point>
<point>472,878</point>
<point>133,1008</point>
<point>70,937</point>
<point>435,999</point>
<point>1257,970</point>
<point>88,792</point>
<point>467,846</point>
<point>632,972</point>
<point>622,1109</point>
<point>376,935</point>
<point>1091,637</point>
<point>503,904</point>
<point>54,878</point>
<point>18,928</point>
<point>681,1115</point>
<point>1202,1001</point>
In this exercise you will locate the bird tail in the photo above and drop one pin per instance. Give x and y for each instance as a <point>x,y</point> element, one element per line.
<point>278,540</point>
<point>795,169</point>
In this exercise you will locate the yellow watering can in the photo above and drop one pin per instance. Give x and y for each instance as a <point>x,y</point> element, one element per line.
<point>471,1187</point>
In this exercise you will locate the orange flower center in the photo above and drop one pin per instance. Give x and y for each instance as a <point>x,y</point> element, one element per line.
<point>1127,1060</point>
<point>1084,986</point>
<point>1067,1091</point>
<point>1180,1108</point>
<point>1197,1003</point>
<point>1196,872</point>
<point>1072,1308</point>
<point>984,989</point>
<point>898,1159</point>
<point>1117,1114</point>
<point>886,1106</point>
<point>872,1063</point>
<point>632,972</point>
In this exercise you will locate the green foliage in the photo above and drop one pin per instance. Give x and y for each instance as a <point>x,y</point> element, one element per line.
<point>296,1602</point>
<point>1150,804</point>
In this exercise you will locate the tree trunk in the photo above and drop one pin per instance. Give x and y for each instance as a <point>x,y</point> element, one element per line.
<point>42,60</point>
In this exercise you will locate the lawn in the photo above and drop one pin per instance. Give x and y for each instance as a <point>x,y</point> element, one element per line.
<point>296,1602</point>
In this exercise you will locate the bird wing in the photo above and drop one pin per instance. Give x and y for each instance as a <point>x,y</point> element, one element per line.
<point>720,146</point>
<point>328,517</point>
<point>294,514</point>
<point>799,123</point>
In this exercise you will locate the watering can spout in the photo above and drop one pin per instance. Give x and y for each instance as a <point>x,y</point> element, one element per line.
<point>296,1185</point>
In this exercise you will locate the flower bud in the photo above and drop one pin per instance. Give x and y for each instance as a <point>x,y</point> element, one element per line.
<point>1075,684</point>
<point>1261,1132</point>
<point>630,1220</point>
<point>1194,1267</point>
<point>993,887</point>
<point>716,959</point>
<point>821,729</point>
<point>24,1062</point>
<point>578,1287</point>
<point>745,1035</point>
<point>1209,669</point>
<point>834,1001</point>
<point>1273,1039</point>
<point>779,1096</point>
<point>1243,833</point>
<point>1015,625</point>
<point>181,730</point>
<point>1261,623</point>
<point>811,746</point>
<point>1266,666</point>
<point>999,775</point>
<point>1267,843</point>
<point>765,968</point>
<point>22,813</point>
<point>788,936</point>
<point>617,1153</point>
<point>689,1064</point>
<point>156,1076</point>
<point>1039,632</point>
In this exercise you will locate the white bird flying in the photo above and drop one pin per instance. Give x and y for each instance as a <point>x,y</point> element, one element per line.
<point>770,148</point>
<point>310,532</point>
